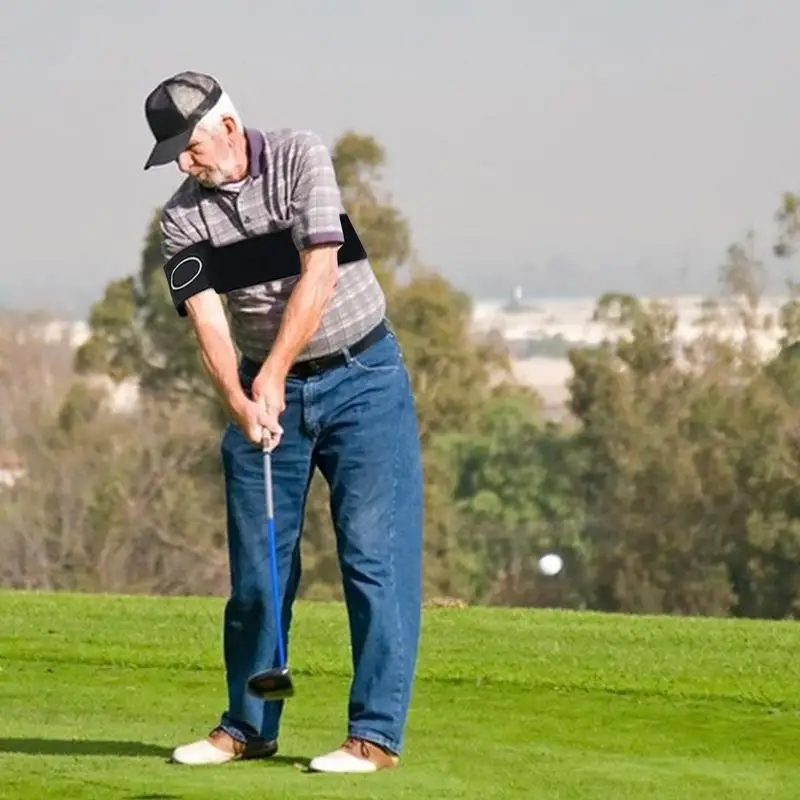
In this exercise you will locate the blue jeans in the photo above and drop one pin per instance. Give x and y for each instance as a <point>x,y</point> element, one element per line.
<point>357,424</point>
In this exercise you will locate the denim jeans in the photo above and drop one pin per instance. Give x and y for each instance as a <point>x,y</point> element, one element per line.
<point>357,424</point>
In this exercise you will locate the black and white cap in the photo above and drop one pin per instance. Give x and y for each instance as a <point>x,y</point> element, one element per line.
<point>174,108</point>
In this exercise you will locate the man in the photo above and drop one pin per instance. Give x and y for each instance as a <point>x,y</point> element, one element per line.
<point>321,372</point>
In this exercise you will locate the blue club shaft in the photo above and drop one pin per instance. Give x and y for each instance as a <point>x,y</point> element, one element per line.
<point>273,557</point>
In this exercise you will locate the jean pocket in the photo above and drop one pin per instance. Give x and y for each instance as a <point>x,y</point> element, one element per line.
<point>383,357</point>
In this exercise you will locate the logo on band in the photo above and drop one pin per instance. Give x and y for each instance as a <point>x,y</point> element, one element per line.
<point>189,273</point>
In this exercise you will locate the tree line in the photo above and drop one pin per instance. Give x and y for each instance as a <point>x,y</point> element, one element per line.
<point>672,486</point>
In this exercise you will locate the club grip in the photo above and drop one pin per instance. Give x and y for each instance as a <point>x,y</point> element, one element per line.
<point>268,483</point>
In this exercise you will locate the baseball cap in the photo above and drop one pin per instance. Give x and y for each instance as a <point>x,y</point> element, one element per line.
<point>174,108</point>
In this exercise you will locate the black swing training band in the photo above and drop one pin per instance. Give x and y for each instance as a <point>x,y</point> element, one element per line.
<point>259,259</point>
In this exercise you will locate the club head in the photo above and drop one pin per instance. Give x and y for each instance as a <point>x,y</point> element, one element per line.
<point>272,684</point>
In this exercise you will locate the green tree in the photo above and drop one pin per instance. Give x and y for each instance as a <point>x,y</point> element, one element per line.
<point>514,491</point>
<point>135,332</point>
<point>358,160</point>
<point>691,455</point>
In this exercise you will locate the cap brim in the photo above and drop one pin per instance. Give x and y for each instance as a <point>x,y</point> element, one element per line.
<point>167,151</point>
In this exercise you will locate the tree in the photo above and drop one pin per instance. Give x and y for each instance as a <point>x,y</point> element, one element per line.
<point>514,475</point>
<point>691,455</point>
<point>358,160</point>
<point>135,332</point>
<point>118,503</point>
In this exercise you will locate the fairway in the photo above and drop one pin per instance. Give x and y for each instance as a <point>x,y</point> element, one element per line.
<point>95,691</point>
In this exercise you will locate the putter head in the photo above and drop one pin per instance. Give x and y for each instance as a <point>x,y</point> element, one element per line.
<point>272,684</point>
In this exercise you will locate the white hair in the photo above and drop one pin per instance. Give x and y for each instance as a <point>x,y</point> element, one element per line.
<point>224,107</point>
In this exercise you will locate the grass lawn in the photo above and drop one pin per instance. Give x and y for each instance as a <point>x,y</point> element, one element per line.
<point>96,691</point>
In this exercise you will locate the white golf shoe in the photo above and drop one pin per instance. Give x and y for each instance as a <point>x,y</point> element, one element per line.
<point>220,748</point>
<point>355,756</point>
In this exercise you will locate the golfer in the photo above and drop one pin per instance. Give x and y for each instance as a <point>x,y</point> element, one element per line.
<point>319,369</point>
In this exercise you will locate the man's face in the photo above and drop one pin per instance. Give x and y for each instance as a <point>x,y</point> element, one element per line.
<point>210,157</point>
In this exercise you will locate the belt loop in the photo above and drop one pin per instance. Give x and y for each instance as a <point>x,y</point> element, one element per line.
<point>346,353</point>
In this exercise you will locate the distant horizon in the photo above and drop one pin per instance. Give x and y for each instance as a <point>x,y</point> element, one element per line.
<point>477,299</point>
<point>72,296</point>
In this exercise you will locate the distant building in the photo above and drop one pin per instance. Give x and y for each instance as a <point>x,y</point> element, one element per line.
<point>515,302</point>
<point>538,336</point>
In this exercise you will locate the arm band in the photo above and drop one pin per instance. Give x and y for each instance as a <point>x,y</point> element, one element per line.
<point>259,259</point>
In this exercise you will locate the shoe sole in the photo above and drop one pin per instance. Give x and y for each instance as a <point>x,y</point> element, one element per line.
<point>249,757</point>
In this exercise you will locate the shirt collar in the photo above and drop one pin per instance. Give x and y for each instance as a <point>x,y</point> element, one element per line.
<point>255,152</point>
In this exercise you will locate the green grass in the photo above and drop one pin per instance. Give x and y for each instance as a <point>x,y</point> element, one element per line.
<point>95,691</point>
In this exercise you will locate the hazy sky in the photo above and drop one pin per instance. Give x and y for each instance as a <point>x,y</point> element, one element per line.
<point>616,135</point>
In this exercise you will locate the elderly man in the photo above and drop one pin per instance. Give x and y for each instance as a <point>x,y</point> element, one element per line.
<point>320,370</point>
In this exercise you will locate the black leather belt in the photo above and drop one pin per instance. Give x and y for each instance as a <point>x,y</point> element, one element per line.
<point>313,366</point>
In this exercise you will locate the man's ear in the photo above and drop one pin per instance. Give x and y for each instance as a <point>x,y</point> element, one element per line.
<point>230,124</point>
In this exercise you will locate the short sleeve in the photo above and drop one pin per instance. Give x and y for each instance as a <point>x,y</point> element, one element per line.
<point>316,198</point>
<point>173,237</point>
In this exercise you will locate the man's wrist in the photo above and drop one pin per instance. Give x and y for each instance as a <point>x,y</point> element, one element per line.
<point>276,366</point>
<point>236,402</point>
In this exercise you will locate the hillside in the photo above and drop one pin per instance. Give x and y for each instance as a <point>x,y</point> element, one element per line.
<point>525,704</point>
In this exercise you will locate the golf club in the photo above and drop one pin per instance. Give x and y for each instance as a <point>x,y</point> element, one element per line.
<point>276,683</point>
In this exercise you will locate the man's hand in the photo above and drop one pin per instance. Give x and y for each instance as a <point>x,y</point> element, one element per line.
<point>252,419</point>
<point>269,394</point>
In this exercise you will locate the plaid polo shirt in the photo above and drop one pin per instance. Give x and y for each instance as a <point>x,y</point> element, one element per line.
<point>291,184</point>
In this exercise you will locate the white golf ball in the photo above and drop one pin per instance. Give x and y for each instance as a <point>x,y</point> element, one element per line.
<point>550,564</point>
